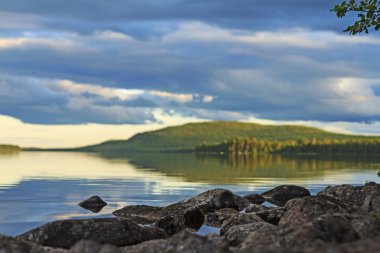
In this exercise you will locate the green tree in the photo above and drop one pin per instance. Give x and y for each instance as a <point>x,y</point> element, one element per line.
<point>367,11</point>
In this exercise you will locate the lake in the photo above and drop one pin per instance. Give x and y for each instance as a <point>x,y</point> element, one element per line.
<point>38,187</point>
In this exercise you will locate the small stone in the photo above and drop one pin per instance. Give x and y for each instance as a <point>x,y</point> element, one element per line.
<point>94,204</point>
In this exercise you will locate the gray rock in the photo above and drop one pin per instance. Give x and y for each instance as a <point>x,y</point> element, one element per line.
<point>183,242</point>
<point>256,199</point>
<point>239,219</point>
<point>367,245</point>
<point>94,204</point>
<point>172,224</point>
<point>253,208</point>
<point>237,234</point>
<point>272,215</point>
<point>216,219</point>
<point>66,233</point>
<point>85,246</point>
<point>13,245</point>
<point>364,198</point>
<point>191,208</point>
<point>282,194</point>
<point>309,208</point>
<point>325,229</point>
<point>241,202</point>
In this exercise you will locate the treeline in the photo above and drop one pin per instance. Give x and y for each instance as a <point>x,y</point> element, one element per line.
<point>253,146</point>
<point>6,149</point>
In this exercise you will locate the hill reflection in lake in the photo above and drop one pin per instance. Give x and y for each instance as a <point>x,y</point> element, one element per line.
<point>37,187</point>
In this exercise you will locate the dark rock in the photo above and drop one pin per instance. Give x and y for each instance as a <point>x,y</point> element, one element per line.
<point>172,224</point>
<point>205,202</point>
<point>241,202</point>
<point>194,218</point>
<point>216,219</point>
<point>141,214</point>
<point>65,233</point>
<point>253,208</point>
<point>13,245</point>
<point>183,242</point>
<point>325,229</point>
<point>94,204</point>
<point>310,208</point>
<point>282,194</point>
<point>256,199</point>
<point>85,246</point>
<point>237,234</point>
<point>367,245</point>
<point>239,219</point>
<point>360,197</point>
<point>272,215</point>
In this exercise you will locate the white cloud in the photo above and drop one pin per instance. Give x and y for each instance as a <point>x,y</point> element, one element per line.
<point>302,38</point>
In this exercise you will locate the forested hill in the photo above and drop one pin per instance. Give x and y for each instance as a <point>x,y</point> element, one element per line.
<point>6,149</point>
<point>190,136</point>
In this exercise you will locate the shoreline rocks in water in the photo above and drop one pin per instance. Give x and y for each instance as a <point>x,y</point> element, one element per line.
<point>339,219</point>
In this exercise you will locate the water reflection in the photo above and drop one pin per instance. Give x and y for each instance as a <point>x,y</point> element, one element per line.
<point>39,187</point>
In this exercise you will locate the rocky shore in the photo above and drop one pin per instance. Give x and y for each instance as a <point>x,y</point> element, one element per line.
<point>339,219</point>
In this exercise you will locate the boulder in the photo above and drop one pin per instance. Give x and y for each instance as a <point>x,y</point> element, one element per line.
<point>172,224</point>
<point>13,245</point>
<point>271,215</point>
<point>94,204</point>
<point>191,208</point>
<point>237,234</point>
<point>66,233</point>
<point>183,242</point>
<point>241,202</point>
<point>325,229</point>
<point>256,199</point>
<point>253,208</point>
<point>364,198</point>
<point>309,208</point>
<point>239,219</point>
<point>84,246</point>
<point>216,219</point>
<point>282,194</point>
<point>367,245</point>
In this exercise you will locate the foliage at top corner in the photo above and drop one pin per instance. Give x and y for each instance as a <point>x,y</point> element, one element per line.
<point>367,11</point>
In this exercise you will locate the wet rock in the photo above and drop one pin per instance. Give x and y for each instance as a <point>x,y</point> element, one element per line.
<point>256,199</point>
<point>216,219</point>
<point>13,245</point>
<point>237,234</point>
<point>364,198</point>
<point>191,208</point>
<point>65,233</point>
<point>310,208</point>
<point>85,246</point>
<point>241,202</point>
<point>183,242</point>
<point>239,219</point>
<point>172,224</point>
<point>272,215</point>
<point>94,204</point>
<point>253,208</point>
<point>282,194</point>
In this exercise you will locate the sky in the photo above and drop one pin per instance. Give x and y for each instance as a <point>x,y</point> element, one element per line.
<point>79,72</point>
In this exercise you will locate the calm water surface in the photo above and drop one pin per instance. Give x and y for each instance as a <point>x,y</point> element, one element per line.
<point>38,187</point>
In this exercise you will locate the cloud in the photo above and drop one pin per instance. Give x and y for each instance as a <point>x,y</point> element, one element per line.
<point>295,37</point>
